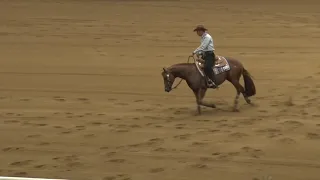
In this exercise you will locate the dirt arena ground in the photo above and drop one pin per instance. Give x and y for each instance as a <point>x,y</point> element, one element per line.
<point>81,94</point>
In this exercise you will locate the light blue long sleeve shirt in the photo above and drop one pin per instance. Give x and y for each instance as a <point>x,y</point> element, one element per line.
<point>206,44</point>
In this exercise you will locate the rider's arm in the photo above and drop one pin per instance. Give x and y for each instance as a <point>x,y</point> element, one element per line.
<point>204,44</point>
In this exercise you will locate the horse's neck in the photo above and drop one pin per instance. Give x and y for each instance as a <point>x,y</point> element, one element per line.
<point>180,70</point>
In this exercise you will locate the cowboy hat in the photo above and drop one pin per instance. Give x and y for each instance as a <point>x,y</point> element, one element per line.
<point>200,28</point>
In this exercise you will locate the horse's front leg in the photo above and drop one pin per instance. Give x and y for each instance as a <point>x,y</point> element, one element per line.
<point>198,101</point>
<point>200,93</point>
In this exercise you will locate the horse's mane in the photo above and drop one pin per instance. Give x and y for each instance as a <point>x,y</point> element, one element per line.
<point>180,65</point>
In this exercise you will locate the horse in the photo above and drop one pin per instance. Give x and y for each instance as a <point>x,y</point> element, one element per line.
<point>230,70</point>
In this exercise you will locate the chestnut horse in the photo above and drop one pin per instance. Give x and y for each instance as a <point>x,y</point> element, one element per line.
<point>191,73</point>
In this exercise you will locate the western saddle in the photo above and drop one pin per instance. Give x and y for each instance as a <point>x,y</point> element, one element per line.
<point>220,61</point>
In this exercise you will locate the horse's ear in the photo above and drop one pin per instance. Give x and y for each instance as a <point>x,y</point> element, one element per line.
<point>164,69</point>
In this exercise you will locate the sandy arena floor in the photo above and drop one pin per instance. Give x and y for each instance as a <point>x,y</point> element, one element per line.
<point>81,94</point>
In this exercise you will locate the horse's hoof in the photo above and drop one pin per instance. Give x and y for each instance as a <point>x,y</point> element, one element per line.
<point>213,106</point>
<point>235,110</point>
<point>198,110</point>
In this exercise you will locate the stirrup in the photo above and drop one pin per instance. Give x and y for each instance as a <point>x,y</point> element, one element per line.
<point>211,84</point>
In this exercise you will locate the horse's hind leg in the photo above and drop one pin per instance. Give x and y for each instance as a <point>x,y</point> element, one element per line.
<point>246,98</point>
<point>236,102</point>
<point>239,89</point>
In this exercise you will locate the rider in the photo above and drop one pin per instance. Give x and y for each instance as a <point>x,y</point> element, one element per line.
<point>207,48</point>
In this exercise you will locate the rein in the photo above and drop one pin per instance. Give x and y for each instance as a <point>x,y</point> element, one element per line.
<point>182,79</point>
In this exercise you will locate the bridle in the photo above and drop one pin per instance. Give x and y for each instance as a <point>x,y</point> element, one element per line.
<point>170,82</point>
<point>168,75</point>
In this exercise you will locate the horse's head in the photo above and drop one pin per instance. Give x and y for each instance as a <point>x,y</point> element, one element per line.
<point>168,79</point>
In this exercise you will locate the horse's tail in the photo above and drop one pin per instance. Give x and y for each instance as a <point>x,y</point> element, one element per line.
<point>249,86</point>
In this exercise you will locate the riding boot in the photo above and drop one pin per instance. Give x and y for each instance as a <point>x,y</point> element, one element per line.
<point>213,83</point>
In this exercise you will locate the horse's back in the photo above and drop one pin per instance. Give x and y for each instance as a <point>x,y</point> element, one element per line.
<point>234,62</point>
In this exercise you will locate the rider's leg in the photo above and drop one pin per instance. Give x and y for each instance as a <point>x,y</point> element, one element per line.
<point>209,60</point>
<point>214,58</point>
